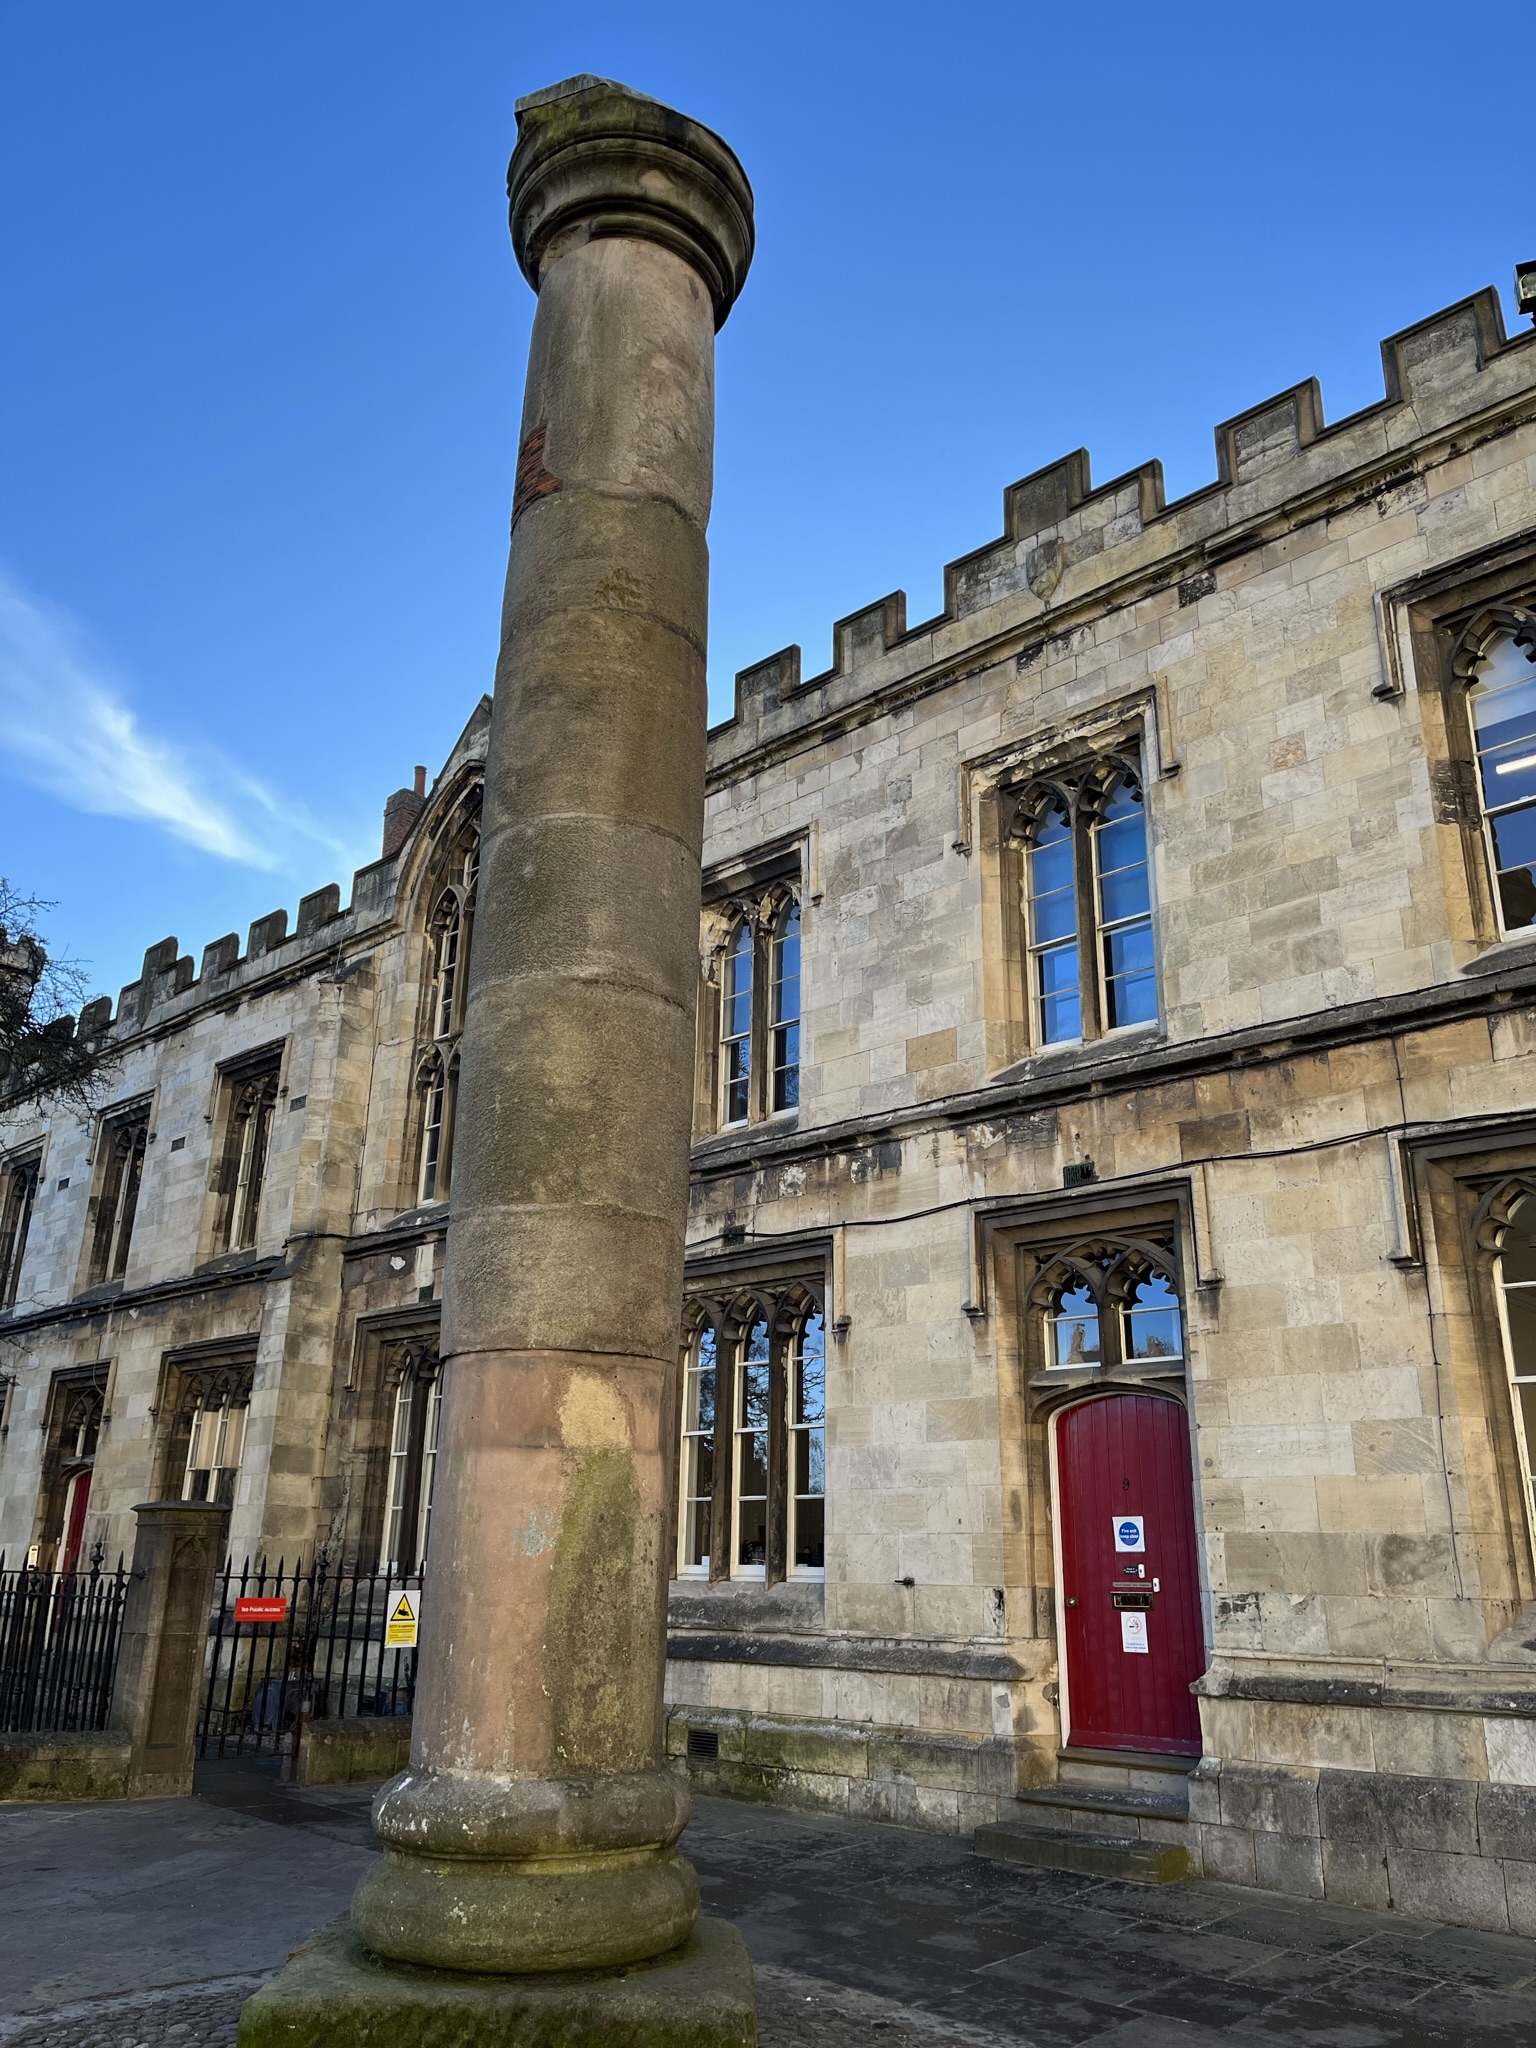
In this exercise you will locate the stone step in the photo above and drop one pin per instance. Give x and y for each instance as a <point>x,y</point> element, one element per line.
<point>1122,1856</point>
<point>1171,1803</point>
<point>1128,1769</point>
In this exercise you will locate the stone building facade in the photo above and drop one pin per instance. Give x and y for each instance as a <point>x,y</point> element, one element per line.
<point>1107,1393</point>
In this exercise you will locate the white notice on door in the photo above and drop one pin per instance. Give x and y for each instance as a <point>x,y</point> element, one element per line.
<point>1133,1634</point>
<point>1130,1532</point>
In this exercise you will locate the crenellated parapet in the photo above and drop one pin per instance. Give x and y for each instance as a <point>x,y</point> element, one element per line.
<point>1068,543</point>
<point>171,986</point>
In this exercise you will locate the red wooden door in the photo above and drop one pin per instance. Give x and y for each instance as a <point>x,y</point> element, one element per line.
<point>75,1505</point>
<point>1130,1587</point>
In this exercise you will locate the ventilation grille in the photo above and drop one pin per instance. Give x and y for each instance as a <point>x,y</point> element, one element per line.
<point>704,1744</point>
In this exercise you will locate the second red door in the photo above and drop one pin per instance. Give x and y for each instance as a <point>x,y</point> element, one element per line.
<point>1130,1587</point>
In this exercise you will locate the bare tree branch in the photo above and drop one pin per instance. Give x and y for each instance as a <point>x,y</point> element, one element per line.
<point>40,1056</point>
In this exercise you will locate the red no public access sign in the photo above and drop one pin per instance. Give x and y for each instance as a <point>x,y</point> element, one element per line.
<point>252,1609</point>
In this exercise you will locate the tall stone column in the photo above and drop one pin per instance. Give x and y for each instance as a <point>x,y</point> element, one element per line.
<point>535,1827</point>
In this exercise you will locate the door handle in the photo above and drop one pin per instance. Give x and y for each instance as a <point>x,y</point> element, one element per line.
<point>1071,1603</point>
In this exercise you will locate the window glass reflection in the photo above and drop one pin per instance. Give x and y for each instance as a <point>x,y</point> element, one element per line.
<point>1153,1326</point>
<point>1073,1329</point>
<point>1502,703</point>
<point>1053,930</point>
<point>753,1402</point>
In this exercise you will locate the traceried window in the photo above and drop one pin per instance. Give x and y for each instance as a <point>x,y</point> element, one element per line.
<point>784,1012</point>
<point>1054,977</point>
<point>450,927</point>
<point>76,1408</point>
<point>757,972</point>
<point>1124,902</point>
<point>246,1111</point>
<point>416,1411</point>
<point>753,1463</point>
<point>120,1149</point>
<point>1072,1322</point>
<point>18,1192</point>
<point>736,1028</point>
<point>1515,1277</point>
<point>807,1541</point>
<point>1087,902</point>
<point>752,1407</point>
<point>1106,1305</point>
<point>206,1438</point>
<point>700,1378</point>
<point>1501,704</point>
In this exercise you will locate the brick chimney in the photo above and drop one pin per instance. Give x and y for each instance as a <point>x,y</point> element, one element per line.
<point>401,812</point>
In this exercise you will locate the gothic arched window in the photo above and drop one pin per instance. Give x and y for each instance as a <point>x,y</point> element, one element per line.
<point>211,1422</point>
<point>752,1473</point>
<point>736,1028</point>
<point>756,970</point>
<point>1087,902</point>
<point>753,1406</point>
<point>806,1492</point>
<point>784,1017</point>
<point>449,931</point>
<point>18,1193</point>
<point>1501,704</point>
<point>249,1101</point>
<point>1105,1305</point>
<point>415,1414</point>
<point>700,1381</point>
<point>119,1169</point>
<point>1124,901</point>
<point>1515,1279</point>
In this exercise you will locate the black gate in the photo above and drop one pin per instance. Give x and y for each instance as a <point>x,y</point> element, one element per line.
<point>59,1639</point>
<point>311,1642</point>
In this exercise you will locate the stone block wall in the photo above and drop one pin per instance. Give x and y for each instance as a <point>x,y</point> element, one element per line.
<point>1341,1070</point>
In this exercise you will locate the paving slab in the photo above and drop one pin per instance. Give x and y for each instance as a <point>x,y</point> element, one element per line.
<point>149,1925</point>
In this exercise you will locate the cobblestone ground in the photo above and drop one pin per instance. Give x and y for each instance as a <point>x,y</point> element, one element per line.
<point>858,1934</point>
<point>794,2012</point>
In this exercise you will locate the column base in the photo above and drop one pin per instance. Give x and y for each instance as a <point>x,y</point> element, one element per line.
<point>333,1992</point>
<point>561,1913</point>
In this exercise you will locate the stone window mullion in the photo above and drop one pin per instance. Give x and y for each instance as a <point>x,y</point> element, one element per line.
<point>1089,969</point>
<point>778,1452</point>
<point>1111,1330</point>
<point>723,1524</point>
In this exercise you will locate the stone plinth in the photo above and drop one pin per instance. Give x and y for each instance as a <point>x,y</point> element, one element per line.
<point>699,1996</point>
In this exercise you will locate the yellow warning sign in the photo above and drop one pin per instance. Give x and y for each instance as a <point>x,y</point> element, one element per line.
<point>402,1618</point>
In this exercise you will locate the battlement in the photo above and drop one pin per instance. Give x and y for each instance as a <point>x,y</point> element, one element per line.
<point>169,984</point>
<point>1067,541</point>
<point>168,974</point>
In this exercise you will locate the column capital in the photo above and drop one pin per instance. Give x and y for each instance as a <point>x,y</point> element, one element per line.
<point>595,158</point>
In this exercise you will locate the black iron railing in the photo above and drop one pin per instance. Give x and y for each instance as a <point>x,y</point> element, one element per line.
<point>59,1639</point>
<point>309,1642</point>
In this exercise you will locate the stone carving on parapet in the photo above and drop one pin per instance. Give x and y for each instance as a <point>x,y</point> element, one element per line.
<point>1068,543</point>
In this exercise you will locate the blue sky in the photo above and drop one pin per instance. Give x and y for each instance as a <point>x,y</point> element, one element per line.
<point>263,342</point>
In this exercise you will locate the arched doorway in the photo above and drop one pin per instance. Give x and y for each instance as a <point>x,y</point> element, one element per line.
<point>1132,1641</point>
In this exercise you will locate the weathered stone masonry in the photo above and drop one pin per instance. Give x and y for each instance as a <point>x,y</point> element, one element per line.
<point>1331,1121</point>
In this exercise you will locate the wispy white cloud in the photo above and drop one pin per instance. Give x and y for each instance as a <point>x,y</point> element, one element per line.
<point>67,728</point>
